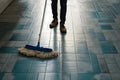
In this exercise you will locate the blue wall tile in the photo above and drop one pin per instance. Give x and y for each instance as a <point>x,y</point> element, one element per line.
<point>1,75</point>
<point>108,48</point>
<point>11,50</point>
<point>106,27</point>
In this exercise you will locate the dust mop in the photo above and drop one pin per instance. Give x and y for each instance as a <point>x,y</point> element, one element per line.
<point>38,51</point>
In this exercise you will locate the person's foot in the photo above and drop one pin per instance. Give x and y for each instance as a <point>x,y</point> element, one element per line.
<point>62,28</point>
<point>54,23</point>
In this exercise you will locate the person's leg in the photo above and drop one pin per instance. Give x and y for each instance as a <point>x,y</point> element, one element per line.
<point>54,8</point>
<point>63,11</point>
<point>63,4</point>
<point>55,14</point>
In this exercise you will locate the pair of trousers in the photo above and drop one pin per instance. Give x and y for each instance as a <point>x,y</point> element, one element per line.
<point>63,9</point>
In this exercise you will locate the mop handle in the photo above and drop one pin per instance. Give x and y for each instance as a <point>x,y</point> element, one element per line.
<point>43,16</point>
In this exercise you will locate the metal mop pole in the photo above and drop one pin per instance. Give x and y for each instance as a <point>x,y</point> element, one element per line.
<point>41,27</point>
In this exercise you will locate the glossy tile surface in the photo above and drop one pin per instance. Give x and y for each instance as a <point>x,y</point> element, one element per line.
<point>89,51</point>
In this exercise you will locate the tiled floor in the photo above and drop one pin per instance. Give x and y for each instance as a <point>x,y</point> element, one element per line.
<point>89,51</point>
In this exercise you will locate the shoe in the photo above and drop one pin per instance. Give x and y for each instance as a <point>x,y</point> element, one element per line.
<point>54,23</point>
<point>62,28</point>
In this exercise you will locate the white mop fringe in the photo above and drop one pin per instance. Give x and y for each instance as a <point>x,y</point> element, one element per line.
<point>38,54</point>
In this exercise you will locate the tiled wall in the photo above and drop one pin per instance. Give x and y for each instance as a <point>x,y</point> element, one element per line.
<point>4,4</point>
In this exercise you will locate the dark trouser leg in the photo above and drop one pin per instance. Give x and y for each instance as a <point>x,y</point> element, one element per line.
<point>54,8</point>
<point>63,4</point>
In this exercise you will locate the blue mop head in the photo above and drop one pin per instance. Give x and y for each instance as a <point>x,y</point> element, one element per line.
<point>42,49</point>
<point>37,51</point>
